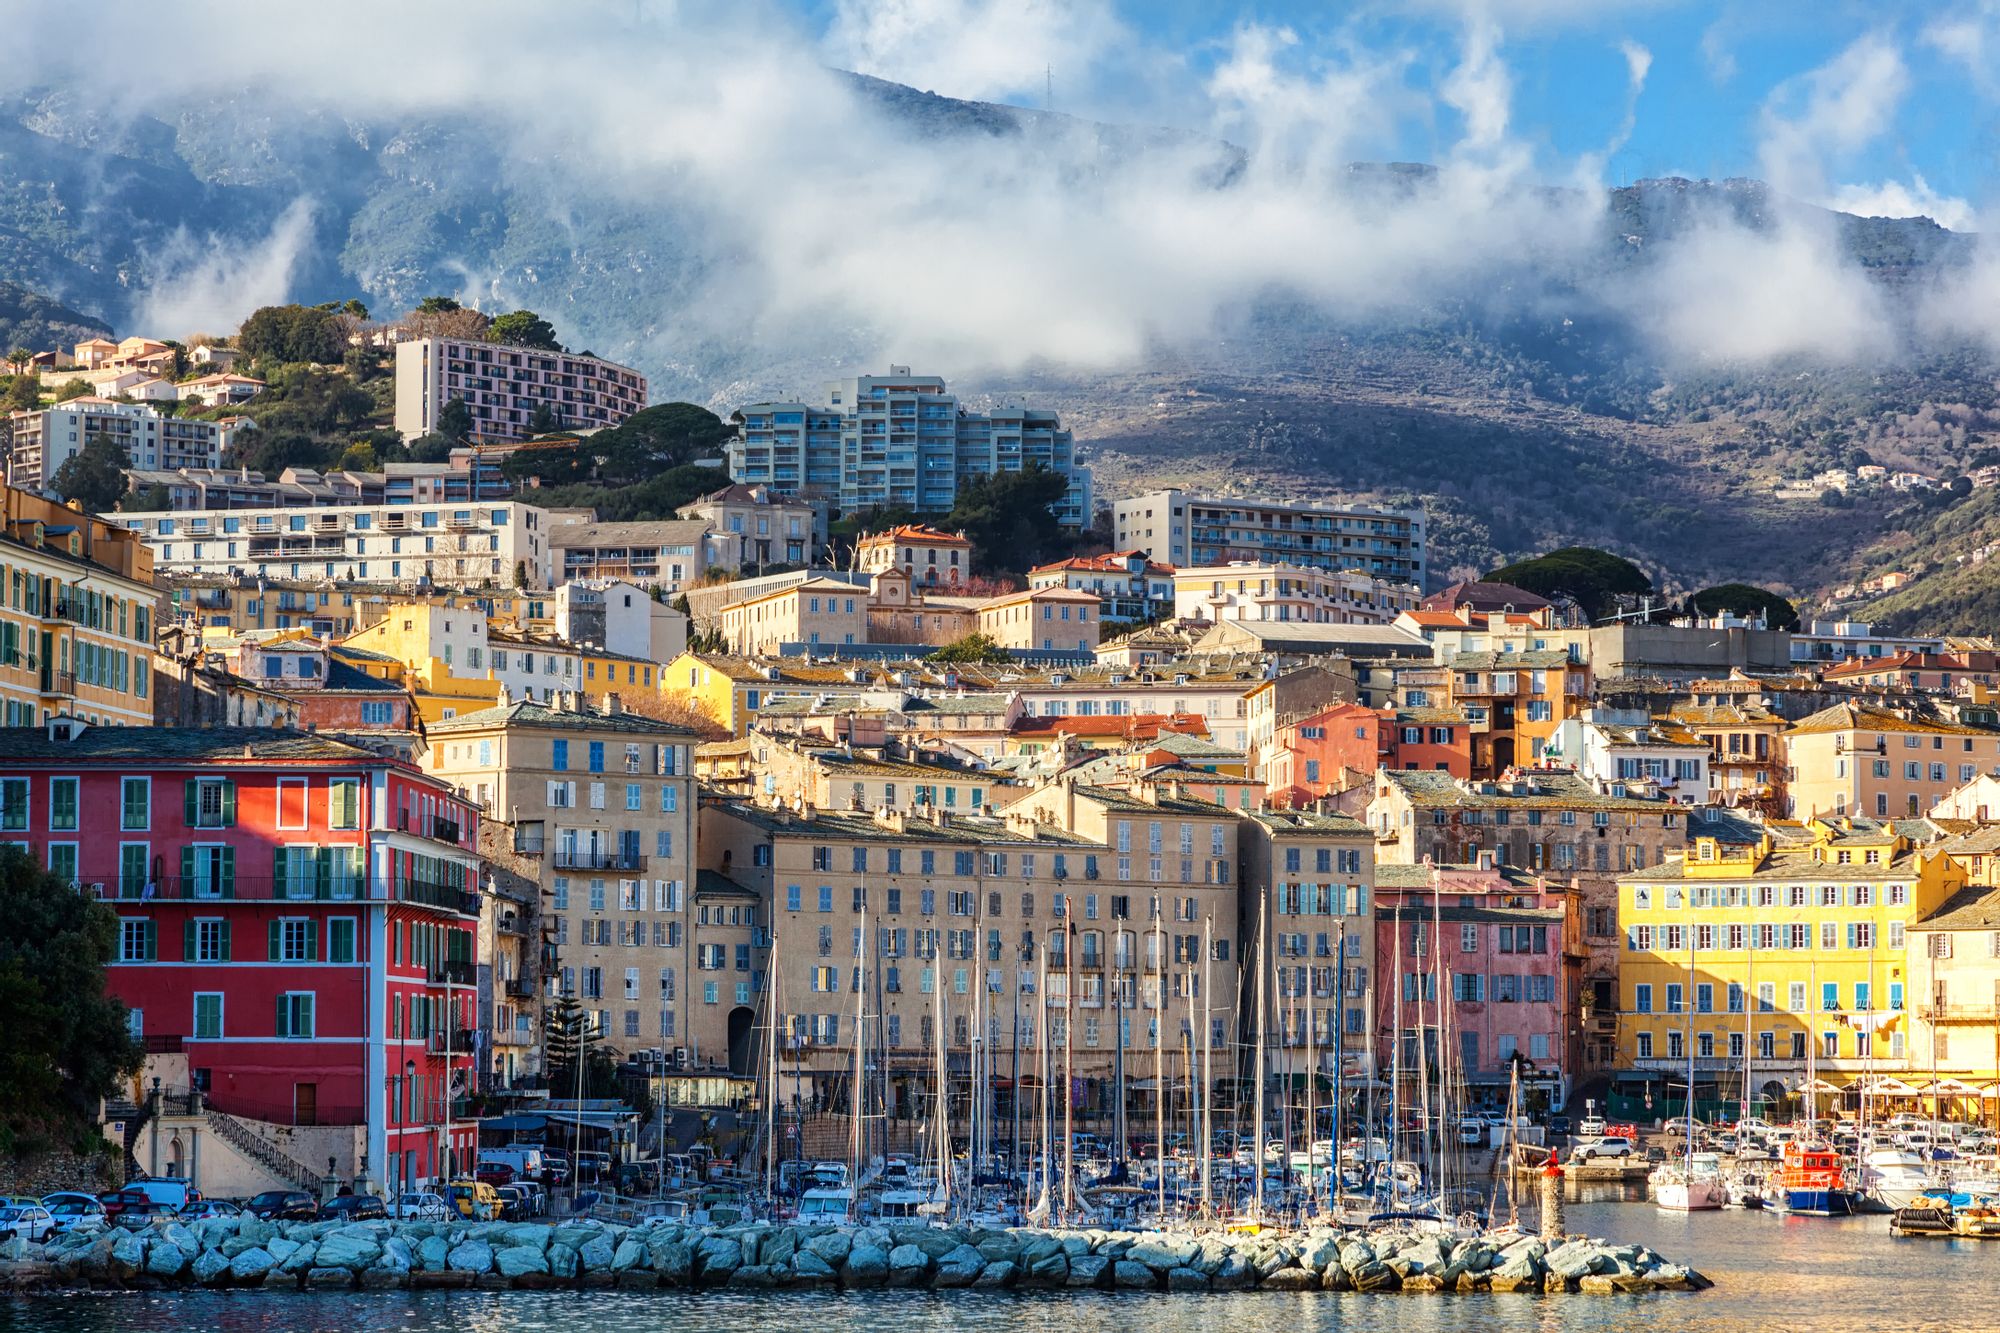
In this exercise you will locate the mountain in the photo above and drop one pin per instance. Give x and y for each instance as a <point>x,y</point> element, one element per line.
<point>1523,395</point>
<point>29,319</point>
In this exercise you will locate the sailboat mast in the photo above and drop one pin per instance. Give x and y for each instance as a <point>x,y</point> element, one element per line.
<point>1160,1053</point>
<point>1257,1120</point>
<point>1069,1069</point>
<point>860,1054</point>
<point>1312,1075</point>
<point>1207,1060</point>
<point>770,1074</point>
<point>1396,1052</point>
<point>1042,992</point>
<point>1339,1053</point>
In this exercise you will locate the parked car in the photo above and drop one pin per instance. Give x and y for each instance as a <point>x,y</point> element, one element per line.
<point>475,1200</point>
<point>1584,1150</point>
<point>1472,1131</point>
<point>144,1215</point>
<point>555,1167</point>
<point>78,1213</point>
<point>1685,1125</point>
<point>513,1203</point>
<point>117,1201</point>
<point>29,1220</point>
<point>1558,1124</point>
<point>50,1201</point>
<point>284,1206</point>
<point>495,1174</point>
<point>202,1210</point>
<point>352,1208</point>
<point>592,1167</point>
<point>421,1205</point>
<point>172,1191</point>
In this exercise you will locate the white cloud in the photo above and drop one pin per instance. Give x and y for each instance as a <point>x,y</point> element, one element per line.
<point>1896,199</point>
<point>980,49</point>
<point>1831,112</point>
<point>211,282</point>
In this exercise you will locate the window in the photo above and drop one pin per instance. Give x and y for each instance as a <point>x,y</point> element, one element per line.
<point>295,1014</point>
<point>62,803</point>
<point>208,1016</point>
<point>14,805</point>
<point>135,803</point>
<point>209,803</point>
<point>340,940</point>
<point>136,940</point>
<point>343,803</point>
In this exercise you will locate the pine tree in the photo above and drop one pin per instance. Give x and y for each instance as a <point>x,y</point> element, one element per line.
<point>563,1035</point>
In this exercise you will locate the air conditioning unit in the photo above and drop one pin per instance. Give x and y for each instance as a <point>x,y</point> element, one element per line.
<point>680,1057</point>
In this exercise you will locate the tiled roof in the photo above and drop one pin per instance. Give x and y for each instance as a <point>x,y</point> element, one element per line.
<point>851,824</point>
<point>1309,823</point>
<point>1138,726</point>
<point>1483,596</point>
<point>174,745</point>
<point>1868,717</point>
<point>1495,661</point>
<point>1730,829</point>
<point>1112,799</point>
<point>917,533</point>
<point>1974,907</point>
<point>1553,790</point>
<point>527,713</point>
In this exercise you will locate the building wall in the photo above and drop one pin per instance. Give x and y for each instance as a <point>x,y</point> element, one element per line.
<point>1865,771</point>
<point>503,385</point>
<point>1179,529</point>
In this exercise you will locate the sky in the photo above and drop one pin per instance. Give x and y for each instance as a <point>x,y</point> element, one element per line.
<point>1892,107</point>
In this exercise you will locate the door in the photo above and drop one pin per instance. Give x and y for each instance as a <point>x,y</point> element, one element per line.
<point>305,1103</point>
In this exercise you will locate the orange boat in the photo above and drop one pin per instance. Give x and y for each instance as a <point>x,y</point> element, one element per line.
<point>1811,1180</point>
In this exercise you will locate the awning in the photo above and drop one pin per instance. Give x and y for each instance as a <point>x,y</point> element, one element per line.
<point>1891,1087</point>
<point>514,1124</point>
<point>1950,1087</point>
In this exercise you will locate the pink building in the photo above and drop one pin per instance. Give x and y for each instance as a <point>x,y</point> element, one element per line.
<point>1508,968</point>
<point>1321,753</point>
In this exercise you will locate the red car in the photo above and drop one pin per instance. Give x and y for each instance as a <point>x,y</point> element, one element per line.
<point>494,1173</point>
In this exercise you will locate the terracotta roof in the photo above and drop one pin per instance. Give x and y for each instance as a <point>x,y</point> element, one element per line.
<point>1483,596</point>
<point>1112,563</point>
<point>1868,717</point>
<point>919,534</point>
<point>1136,726</point>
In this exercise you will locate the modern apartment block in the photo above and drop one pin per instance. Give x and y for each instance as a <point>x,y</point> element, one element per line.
<point>1266,590</point>
<point>1179,529</point>
<point>900,439</point>
<point>468,545</point>
<point>77,612</point>
<point>601,803</point>
<point>502,385</point>
<point>45,440</point>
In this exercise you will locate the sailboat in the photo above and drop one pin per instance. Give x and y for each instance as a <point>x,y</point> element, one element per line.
<point>1681,1188</point>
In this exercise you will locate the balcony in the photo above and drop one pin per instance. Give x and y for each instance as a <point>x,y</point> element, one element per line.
<point>452,972</point>
<point>528,844</point>
<point>520,988</point>
<point>444,830</point>
<point>513,1037</point>
<point>450,897</point>
<point>59,683</point>
<point>584,858</point>
<point>1983,1014</point>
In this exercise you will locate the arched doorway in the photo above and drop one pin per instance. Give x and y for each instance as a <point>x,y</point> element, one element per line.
<point>742,1024</point>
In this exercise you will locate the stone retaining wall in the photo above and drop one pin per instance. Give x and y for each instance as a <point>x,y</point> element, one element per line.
<point>243,1252</point>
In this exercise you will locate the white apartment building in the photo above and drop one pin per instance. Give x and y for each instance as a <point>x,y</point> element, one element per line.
<point>1182,530</point>
<point>899,439</point>
<point>45,440</point>
<point>463,545</point>
<point>502,385</point>
<point>1260,590</point>
<point>666,553</point>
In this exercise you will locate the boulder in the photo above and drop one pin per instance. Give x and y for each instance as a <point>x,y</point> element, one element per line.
<point>754,1275</point>
<point>1594,1284</point>
<point>1291,1279</point>
<point>1321,1252</point>
<point>255,1230</point>
<point>431,1252</point>
<point>385,1279</point>
<point>128,1256</point>
<point>999,1273</point>
<point>164,1259</point>
<point>715,1258</point>
<point>251,1265</point>
<point>1131,1275</point>
<point>470,1256</point>
<point>1186,1279</point>
<point>830,1246</point>
<point>1050,1270</point>
<point>1335,1278</point>
<point>671,1259</point>
<point>563,1261</point>
<point>809,1267</point>
<point>210,1267</point>
<point>866,1266</point>
<point>330,1279</point>
<point>178,1236</point>
<point>301,1260</point>
<point>908,1266</point>
<point>629,1255</point>
<point>778,1248</point>
<point>1087,1270</point>
<point>1375,1276</point>
<point>524,1235</point>
<point>960,1267</point>
<point>635,1279</point>
<point>1233,1274</point>
<point>1162,1253</point>
<point>344,1250</point>
<point>999,1245</point>
<point>1432,1281</point>
<point>519,1260</point>
<point>397,1254</point>
<point>599,1253</point>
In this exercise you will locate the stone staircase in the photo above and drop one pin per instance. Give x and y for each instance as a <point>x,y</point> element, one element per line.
<point>253,1145</point>
<point>135,1117</point>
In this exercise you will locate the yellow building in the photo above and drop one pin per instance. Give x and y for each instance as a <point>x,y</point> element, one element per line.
<point>732,689</point>
<point>1767,950</point>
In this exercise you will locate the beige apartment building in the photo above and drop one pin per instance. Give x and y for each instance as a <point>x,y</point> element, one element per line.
<point>503,385</point>
<point>1050,620</point>
<point>1308,881</point>
<point>818,611</point>
<point>931,558</point>
<point>1072,927</point>
<point>77,614</point>
<point>601,804</point>
<point>762,526</point>
<point>847,777</point>
<point>1863,759</point>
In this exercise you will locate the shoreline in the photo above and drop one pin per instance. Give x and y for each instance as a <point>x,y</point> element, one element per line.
<point>390,1256</point>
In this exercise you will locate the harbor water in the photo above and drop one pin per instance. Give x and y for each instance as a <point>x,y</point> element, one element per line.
<point>1831,1275</point>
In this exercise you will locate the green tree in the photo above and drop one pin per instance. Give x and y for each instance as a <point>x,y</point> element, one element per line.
<point>1594,579</point>
<point>65,1044</point>
<point>432,448</point>
<point>455,420</point>
<point>290,333</point>
<point>563,1035</point>
<point>358,457</point>
<point>1745,599</point>
<point>520,573</point>
<point>438,305</point>
<point>354,306</point>
<point>24,392</point>
<point>523,328</point>
<point>544,420</point>
<point>971,649</point>
<point>667,435</point>
<point>1008,519</point>
<point>147,500</point>
<point>72,389</point>
<point>94,476</point>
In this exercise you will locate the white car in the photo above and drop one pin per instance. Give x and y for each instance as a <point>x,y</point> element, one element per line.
<point>1602,1146</point>
<point>35,1223</point>
<point>78,1215</point>
<point>422,1206</point>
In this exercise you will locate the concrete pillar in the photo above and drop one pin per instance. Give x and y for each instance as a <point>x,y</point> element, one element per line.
<point>1552,1200</point>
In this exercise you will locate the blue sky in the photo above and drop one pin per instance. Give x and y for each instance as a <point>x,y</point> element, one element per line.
<point>1845,102</point>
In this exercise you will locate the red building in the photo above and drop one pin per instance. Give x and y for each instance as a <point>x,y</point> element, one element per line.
<point>1323,753</point>
<point>1502,948</point>
<point>1433,738</point>
<point>297,923</point>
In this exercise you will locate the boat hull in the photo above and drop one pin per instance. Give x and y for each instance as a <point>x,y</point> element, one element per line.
<point>1690,1196</point>
<point>1820,1202</point>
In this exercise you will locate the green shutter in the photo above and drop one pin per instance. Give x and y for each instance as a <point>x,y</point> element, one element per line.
<point>323,873</point>
<point>274,950</point>
<point>187,940</point>
<point>190,802</point>
<point>280,1028</point>
<point>312,941</point>
<point>228,872</point>
<point>152,942</point>
<point>187,873</point>
<point>280,888</point>
<point>225,939</point>
<point>229,805</point>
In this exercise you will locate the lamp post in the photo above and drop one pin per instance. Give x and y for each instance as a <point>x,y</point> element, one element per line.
<point>408,1096</point>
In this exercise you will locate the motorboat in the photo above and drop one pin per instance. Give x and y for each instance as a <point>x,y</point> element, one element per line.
<point>1894,1178</point>
<point>1811,1180</point>
<point>1682,1189</point>
<point>826,1205</point>
<point>1925,1215</point>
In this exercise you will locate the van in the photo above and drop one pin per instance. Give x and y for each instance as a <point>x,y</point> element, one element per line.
<point>525,1160</point>
<point>171,1191</point>
<point>475,1200</point>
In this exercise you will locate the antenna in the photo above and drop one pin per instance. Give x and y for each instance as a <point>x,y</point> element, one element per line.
<point>1049,88</point>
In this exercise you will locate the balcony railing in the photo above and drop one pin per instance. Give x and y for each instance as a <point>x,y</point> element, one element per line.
<point>451,897</point>
<point>444,830</point>
<point>288,889</point>
<point>528,844</point>
<point>59,682</point>
<point>520,988</point>
<point>1959,1013</point>
<point>452,972</point>
<point>571,858</point>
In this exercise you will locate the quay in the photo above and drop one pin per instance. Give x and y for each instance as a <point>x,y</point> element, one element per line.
<point>331,1256</point>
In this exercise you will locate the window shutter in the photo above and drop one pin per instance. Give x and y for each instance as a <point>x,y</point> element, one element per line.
<point>229,805</point>
<point>228,872</point>
<point>187,941</point>
<point>312,941</point>
<point>1850,934</point>
<point>187,871</point>
<point>280,886</point>
<point>280,1028</point>
<point>273,954</point>
<point>152,941</point>
<point>225,939</point>
<point>323,870</point>
<point>190,803</point>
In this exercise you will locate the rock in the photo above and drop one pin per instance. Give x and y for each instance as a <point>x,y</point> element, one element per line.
<point>526,1236</point>
<point>1424,1282</point>
<point>519,1260</point>
<point>715,1258</point>
<point>1163,1254</point>
<point>1233,1274</point>
<point>563,1262</point>
<point>1335,1278</point>
<point>1050,1270</point>
<point>301,1260</point>
<point>999,1245</point>
<point>778,1249</point>
<point>1292,1279</point>
<point>255,1230</point>
<point>384,1279</point>
<point>866,1266</point>
<point>809,1267</point>
<point>397,1254</point>
<point>164,1259</point>
<point>831,1247</point>
<point>1131,1275</point>
<point>672,1260</point>
<point>634,1279</point>
<point>1087,1270</point>
<point>599,1254</point>
<point>128,1256</point>
<point>330,1279</point>
<point>178,1236</point>
<point>1186,1279</point>
<point>999,1273</point>
<point>431,1252</point>
<point>629,1255</point>
<point>345,1250</point>
<point>960,1267</point>
<point>210,1267</point>
<point>1319,1254</point>
<point>251,1265</point>
<point>471,1256</point>
<point>908,1265</point>
<point>1375,1276</point>
<point>442,1280</point>
<point>753,1275</point>
<point>1592,1284</point>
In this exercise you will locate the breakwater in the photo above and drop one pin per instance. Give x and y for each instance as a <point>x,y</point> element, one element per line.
<point>334,1256</point>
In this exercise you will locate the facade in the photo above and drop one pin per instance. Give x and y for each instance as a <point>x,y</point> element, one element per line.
<point>1513,702</point>
<point>1049,620</point>
<point>1863,759</point>
<point>469,545</point>
<point>78,609</point>
<point>1130,586</point>
<point>931,559</point>
<point>1268,590</point>
<point>900,439</point>
<point>601,804</point>
<point>295,927</point>
<point>1625,745</point>
<point>1498,947</point>
<point>1182,530</point>
<point>1746,768</point>
<point>45,440</point>
<point>1771,940</point>
<point>668,554</point>
<point>818,611</point>
<point>503,386</point>
<point>1323,752</point>
<point>769,528</point>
